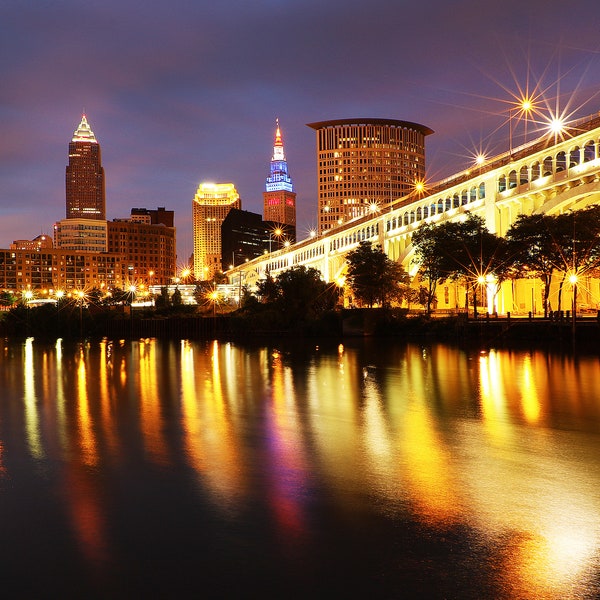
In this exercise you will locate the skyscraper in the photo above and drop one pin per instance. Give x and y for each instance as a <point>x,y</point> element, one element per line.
<point>364,164</point>
<point>85,186</point>
<point>210,206</point>
<point>279,197</point>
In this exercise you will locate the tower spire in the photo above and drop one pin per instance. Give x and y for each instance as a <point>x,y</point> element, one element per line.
<point>278,153</point>
<point>84,132</point>
<point>279,196</point>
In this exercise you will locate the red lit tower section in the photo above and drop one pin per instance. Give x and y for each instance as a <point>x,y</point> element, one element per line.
<point>279,197</point>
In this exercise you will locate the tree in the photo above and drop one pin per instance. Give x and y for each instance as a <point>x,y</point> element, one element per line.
<point>268,290</point>
<point>430,258</point>
<point>163,300</point>
<point>567,243</point>
<point>534,243</point>
<point>296,295</point>
<point>7,298</point>
<point>373,277</point>
<point>462,249</point>
<point>304,294</point>
<point>176,299</point>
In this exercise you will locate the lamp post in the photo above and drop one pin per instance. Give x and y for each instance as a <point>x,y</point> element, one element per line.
<point>27,297</point>
<point>80,295</point>
<point>277,232</point>
<point>573,281</point>
<point>524,107</point>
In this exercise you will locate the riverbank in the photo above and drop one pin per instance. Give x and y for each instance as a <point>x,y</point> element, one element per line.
<point>485,331</point>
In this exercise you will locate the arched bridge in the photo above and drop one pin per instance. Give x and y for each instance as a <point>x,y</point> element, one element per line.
<point>548,175</point>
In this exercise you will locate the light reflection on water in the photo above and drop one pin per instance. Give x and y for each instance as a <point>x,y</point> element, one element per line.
<point>500,445</point>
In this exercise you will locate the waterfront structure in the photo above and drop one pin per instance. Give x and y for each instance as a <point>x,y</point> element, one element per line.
<point>245,236</point>
<point>553,174</point>
<point>147,242</point>
<point>365,164</point>
<point>85,185</point>
<point>210,206</point>
<point>279,197</point>
<point>46,271</point>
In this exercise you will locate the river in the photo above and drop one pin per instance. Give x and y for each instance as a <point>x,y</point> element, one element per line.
<point>172,469</point>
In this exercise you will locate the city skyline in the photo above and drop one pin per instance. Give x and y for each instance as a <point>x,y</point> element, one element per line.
<point>202,108</point>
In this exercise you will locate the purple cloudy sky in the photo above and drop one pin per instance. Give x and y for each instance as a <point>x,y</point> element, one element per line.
<point>184,91</point>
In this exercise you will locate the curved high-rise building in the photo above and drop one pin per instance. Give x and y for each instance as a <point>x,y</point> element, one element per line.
<point>85,187</point>
<point>279,196</point>
<point>364,164</point>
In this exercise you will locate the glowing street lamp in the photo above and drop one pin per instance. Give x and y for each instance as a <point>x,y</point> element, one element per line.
<point>214,297</point>
<point>556,127</point>
<point>573,281</point>
<point>277,232</point>
<point>419,186</point>
<point>80,297</point>
<point>523,108</point>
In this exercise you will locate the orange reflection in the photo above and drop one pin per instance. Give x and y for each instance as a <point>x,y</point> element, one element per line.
<point>86,514</point>
<point>84,418</point>
<point>429,474</point>
<point>152,422</point>
<point>210,441</point>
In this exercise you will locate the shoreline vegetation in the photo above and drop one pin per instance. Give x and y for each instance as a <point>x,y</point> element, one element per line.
<point>559,331</point>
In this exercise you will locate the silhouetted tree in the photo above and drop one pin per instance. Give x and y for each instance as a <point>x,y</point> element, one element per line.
<point>373,277</point>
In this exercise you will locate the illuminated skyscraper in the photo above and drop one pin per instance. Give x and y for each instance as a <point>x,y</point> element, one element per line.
<point>364,164</point>
<point>210,206</point>
<point>279,197</point>
<point>85,176</point>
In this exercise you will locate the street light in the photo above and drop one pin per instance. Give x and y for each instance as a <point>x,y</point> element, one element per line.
<point>214,296</point>
<point>480,281</point>
<point>277,232</point>
<point>524,107</point>
<point>80,295</point>
<point>573,281</point>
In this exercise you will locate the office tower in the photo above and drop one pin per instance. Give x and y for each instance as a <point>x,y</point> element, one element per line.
<point>245,236</point>
<point>210,206</point>
<point>364,164</point>
<point>147,242</point>
<point>279,197</point>
<point>85,187</point>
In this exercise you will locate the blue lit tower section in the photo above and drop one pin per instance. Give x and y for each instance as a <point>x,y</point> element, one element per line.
<point>279,197</point>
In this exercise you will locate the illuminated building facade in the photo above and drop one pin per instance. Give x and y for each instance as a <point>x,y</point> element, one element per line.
<point>85,186</point>
<point>279,197</point>
<point>364,164</point>
<point>81,235</point>
<point>148,246</point>
<point>48,270</point>
<point>37,243</point>
<point>210,206</point>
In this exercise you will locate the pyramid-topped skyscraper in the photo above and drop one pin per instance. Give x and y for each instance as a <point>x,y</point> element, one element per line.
<point>85,186</point>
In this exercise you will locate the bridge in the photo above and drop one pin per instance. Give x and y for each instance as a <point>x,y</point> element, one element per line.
<point>551,174</point>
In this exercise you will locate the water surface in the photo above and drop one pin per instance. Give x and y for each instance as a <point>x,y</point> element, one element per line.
<point>170,469</point>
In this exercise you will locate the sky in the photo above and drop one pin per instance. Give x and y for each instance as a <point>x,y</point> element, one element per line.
<point>180,92</point>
